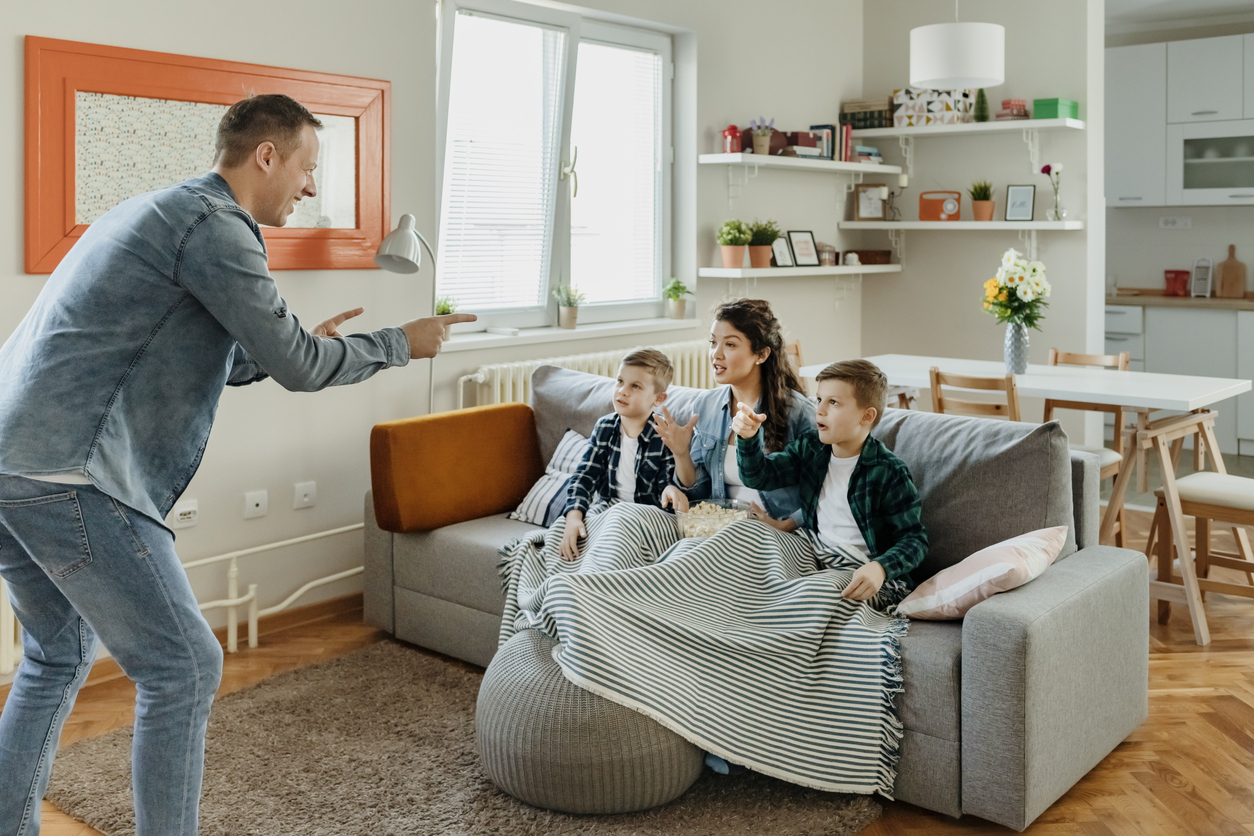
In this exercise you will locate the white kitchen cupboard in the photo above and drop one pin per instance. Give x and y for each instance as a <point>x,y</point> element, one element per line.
<point>1136,125</point>
<point>1205,79</point>
<point>1211,164</point>
<point>1249,76</point>
<point>1196,342</point>
<point>1245,370</point>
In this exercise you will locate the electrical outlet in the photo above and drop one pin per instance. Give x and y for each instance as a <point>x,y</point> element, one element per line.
<point>256,504</point>
<point>1175,222</point>
<point>185,514</point>
<point>305,496</point>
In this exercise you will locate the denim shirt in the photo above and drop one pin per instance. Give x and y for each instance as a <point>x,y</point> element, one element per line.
<point>709,449</point>
<point>116,370</point>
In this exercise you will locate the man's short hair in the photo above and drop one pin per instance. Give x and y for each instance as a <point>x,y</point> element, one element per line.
<point>656,362</point>
<point>271,117</point>
<point>870,385</point>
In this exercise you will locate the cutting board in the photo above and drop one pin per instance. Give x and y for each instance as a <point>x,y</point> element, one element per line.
<point>1231,275</point>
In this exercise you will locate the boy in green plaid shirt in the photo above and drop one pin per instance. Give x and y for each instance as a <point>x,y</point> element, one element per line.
<point>854,491</point>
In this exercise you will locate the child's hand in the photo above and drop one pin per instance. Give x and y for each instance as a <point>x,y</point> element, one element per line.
<point>865,583</point>
<point>747,422</point>
<point>676,436</point>
<point>570,538</point>
<point>759,513</point>
<point>673,497</point>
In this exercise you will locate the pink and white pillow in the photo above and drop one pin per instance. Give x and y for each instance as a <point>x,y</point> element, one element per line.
<point>1003,566</point>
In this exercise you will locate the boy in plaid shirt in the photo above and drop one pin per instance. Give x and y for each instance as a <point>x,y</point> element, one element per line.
<point>626,458</point>
<point>854,491</point>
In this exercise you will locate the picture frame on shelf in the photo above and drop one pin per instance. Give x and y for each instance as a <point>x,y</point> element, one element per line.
<point>783,255</point>
<point>1020,203</point>
<point>805,251</point>
<point>869,203</point>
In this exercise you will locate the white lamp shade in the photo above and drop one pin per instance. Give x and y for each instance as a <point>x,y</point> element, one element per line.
<point>957,56</point>
<point>399,252</point>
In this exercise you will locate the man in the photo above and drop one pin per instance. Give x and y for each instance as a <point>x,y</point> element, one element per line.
<point>108,390</point>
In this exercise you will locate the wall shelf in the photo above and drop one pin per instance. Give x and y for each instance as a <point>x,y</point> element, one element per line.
<point>779,272</point>
<point>988,226</point>
<point>975,128</point>
<point>741,168</point>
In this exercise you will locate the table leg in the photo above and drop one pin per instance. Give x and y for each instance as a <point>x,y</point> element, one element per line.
<point>1142,475</point>
<point>1120,492</point>
<point>1159,544</point>
<point>1192,593</point>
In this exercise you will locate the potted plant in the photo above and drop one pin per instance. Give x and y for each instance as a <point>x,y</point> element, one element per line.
<point>762,132</point>
<point>675,291</point>
<point>446,305</point>
<point>1016,296</point>
<point>982,203</point>
<point>568,299</point>
<point>763,237</point>
<point>733,237</point>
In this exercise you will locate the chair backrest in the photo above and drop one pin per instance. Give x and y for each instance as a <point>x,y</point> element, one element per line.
<point>1119,361</point>
<point>947,404</point>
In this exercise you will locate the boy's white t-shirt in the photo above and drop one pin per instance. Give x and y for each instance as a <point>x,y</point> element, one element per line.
<point>625,480</point>
<point>837,527</point>
<point>731,478</point>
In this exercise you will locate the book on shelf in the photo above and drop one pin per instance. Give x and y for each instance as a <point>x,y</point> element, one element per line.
<point>826,135</point>
<point>803,151</point>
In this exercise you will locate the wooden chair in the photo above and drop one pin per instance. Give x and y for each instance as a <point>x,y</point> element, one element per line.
<point>792,351</point>
<point>947,404</point>
<point>1109,459</point>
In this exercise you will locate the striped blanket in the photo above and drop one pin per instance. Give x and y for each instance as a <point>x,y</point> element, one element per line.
<point>739,643</point>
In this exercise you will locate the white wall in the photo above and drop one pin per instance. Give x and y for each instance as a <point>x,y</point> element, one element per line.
<point>268,438</point>
<point>933,306</point>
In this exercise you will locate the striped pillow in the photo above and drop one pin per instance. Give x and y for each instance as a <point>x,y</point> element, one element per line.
<point>544,502</point>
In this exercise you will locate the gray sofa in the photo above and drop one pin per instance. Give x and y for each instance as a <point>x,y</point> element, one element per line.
<point>1004,711</point>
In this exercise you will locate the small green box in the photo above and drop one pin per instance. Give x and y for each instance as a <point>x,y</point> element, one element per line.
<point>1055,109</point>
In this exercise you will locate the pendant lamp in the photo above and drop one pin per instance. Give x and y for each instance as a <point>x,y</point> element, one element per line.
<point>957,56</point>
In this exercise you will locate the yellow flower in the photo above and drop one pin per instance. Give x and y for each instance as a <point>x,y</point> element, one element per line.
<point>988,306</point>
<point>991,292</point>
<point>1002,297</point>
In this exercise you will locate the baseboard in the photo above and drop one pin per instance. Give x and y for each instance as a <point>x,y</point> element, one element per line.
<point>105,669</point>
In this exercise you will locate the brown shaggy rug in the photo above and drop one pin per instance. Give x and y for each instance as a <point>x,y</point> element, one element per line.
<point>381,741</point>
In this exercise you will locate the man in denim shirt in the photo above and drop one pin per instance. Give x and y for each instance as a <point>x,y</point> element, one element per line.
<point>108,390</point>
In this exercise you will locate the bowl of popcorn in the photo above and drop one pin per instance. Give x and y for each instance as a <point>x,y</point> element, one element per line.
<point>710,516</point>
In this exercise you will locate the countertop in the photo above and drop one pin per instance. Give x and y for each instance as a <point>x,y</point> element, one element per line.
<point>1211,303</point>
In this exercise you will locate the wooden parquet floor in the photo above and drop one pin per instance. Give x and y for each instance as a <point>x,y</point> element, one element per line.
<point>1189,769</point>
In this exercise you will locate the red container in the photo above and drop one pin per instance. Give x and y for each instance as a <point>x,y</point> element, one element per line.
<point>1177,282</point>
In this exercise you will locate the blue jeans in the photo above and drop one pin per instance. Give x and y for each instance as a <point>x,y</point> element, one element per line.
<point>83,568</point>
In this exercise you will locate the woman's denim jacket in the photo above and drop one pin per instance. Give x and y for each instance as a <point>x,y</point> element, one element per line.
<point>709,449</point>
<point>116,370</point>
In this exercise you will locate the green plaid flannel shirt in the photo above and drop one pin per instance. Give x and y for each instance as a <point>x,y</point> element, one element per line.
<point>882,496</point>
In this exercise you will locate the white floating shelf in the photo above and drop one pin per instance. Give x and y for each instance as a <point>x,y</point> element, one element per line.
<point>988,226</point>
<point>776,272</point>
<point>765,161</point>
<point>974,128</point>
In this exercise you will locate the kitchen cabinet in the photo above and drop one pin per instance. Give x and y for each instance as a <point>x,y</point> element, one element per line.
<point>1206,79</point>
<point>1249,76</point>
<point>1245,370</point>
<point>1211,164</point>
<point>1136,124</point>
<point>1197,342</point>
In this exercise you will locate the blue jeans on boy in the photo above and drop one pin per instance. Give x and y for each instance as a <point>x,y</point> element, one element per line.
<point>83,568</point>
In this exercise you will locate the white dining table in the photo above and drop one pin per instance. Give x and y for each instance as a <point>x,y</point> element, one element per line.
<point>1137,392</point>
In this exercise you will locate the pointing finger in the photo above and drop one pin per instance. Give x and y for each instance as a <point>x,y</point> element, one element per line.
<point>454,318</point>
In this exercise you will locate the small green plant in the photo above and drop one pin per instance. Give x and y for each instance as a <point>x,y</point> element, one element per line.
<point>983,190</point>
<point>764,233</point>
<point>675,290</point>
<point>567,296</point>
<point>734,233</point>
<point>445,305</point>
<point>981,107</point>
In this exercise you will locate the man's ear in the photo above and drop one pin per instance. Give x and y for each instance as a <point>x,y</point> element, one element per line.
<point>266,156</point>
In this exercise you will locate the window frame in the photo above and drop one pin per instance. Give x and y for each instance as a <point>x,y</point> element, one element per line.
<point>577,29</point>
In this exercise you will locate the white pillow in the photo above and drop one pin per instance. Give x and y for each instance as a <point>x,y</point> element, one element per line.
<point>544,502</point>
<point>1000,567</point>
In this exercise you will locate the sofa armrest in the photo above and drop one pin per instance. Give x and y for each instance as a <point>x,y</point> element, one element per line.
<point>451,467</point>
<point>1055,674</point>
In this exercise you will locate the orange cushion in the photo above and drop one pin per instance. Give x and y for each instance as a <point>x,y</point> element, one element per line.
<point>436,470</point>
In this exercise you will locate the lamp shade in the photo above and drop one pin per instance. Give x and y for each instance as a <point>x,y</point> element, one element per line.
<point>954,56</point>
<point>399,252</point>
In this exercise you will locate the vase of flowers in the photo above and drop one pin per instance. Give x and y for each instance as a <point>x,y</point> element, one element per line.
<point>763,237</point>
<point>733,236</point>
<point>446,305</point>
<point>568,298</point>
<point>1054,172</point>
<point>675,291</point>
<point>762,131</point>
<point>1016,296</point>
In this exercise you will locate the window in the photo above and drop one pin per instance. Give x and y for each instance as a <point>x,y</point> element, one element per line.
<point>556,162</point>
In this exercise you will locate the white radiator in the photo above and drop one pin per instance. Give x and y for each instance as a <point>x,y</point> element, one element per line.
<point>511,382</point>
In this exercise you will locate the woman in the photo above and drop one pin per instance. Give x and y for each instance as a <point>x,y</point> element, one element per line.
<point>747,355</point>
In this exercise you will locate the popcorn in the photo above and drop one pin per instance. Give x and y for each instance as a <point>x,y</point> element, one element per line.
<point>707,518</point>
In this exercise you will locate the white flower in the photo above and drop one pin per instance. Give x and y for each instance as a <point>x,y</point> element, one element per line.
<point>1025,293</point>
<point>1008,260</point>
<point>1056,168</point>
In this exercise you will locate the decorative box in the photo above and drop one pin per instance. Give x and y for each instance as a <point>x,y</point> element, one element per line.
<point>1055,109</point>
<point>1014,104</point>
<point>917,106</point>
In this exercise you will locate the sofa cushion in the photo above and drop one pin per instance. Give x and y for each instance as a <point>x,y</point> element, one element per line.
<point>981,481</point>
<point>931,670</point>
<point>458,563</point>
<point>544,502</point>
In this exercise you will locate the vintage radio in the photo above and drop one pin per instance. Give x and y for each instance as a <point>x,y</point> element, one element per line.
<point>946,207</point>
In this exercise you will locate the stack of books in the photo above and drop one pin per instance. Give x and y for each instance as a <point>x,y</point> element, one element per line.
<point>867,113</point>
<point>1013,109</point>
<point>869,154</point>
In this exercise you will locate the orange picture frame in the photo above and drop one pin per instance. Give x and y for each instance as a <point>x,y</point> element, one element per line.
<point>56,70</point>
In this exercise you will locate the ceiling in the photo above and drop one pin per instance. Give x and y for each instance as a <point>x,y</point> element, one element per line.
<point>1140,12</point>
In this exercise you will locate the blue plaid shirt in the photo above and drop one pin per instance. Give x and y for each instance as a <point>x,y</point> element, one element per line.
<point>655,465</point>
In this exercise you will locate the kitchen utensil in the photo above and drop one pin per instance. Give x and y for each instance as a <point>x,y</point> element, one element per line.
<point>1177,282</point>
<point>1231,276</point>
<point>947,208</point>
<point>1201,282</point>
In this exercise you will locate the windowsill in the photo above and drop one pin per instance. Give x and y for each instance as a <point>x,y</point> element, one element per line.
<point>477,340</point>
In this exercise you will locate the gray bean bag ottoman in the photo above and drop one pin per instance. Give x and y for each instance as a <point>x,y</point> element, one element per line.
<point>552,744</point>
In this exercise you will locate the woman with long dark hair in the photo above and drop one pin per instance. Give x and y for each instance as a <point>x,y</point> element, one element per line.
<point>747,356</point>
